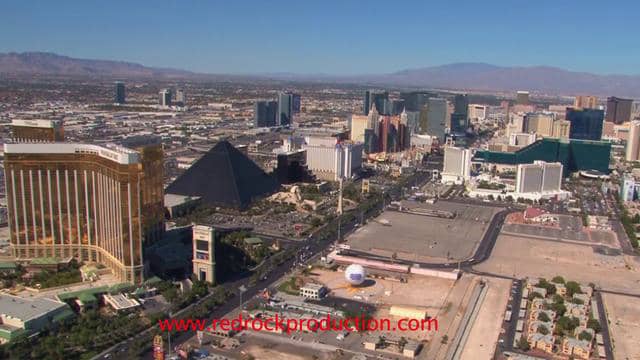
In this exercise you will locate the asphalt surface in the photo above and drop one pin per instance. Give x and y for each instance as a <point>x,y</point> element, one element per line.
<point>604,324</point>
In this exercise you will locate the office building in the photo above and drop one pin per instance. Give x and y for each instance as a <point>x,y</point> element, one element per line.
<point>357,126</point>
<point>628,188</point>
<point>574,155</point>
<point>540,177</point>
<point>378,99</point>
<point>285,109</point>
<point>392,134</point>
<point>331,159</point>
<point>522,98</point>
<point>26,317</point>
<point>165,97</point>
<point>264,113</point>
<point>632,152</point>
<point>477,112</point>
<point>460,115</point>
<point>120,93</point>
<point>82,201</point>
<point>181,99</point>
<point>296,103</point>
<point>561,129</point>
<point>539,123</point>
<point>415,100</point>
<point>618,110</point>
<point>457,165</point>
<point>204,260</point>
<point>586,124</point>
<point>397,107</point>
<point>37,130</point>
<point>585,102</point>
<point>436,118</point>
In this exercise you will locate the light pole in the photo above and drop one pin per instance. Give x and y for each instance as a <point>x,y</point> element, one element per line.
<point>242,289</point>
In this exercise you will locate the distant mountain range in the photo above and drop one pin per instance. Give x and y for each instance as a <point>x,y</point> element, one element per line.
<point>462,76</point>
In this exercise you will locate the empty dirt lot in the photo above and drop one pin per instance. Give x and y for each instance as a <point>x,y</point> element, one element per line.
<point>527,257</point>
<point>624,323</point>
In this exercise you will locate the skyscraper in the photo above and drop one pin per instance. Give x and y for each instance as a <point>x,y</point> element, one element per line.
<point>165,97</point>
<point>436,118</point>
<point>522,98</point>
<point>81,201</point>
<point>357,126</point>
<point>378,98</point>
<point>586,124</point>
<point>181,99</point>
<point>633,142</point>
<point>285,109</point>
<point>120,93</point>
<point>457,165</point>
<point>539,177</point>
<point>297,103</point>
<point>585,102</point>
<point>460,115</point>
<point>264,113</point>
<point>540,123</point>
<point>415,100</point>
<point>618,110</point>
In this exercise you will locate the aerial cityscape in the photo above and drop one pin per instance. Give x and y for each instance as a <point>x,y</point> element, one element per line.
<point>267,193</point>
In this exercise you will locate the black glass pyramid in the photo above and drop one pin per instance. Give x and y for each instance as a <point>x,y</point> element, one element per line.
<point>224,177</point>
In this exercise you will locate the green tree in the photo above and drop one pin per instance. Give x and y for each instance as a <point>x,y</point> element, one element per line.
<point>544,317</point>
<point>585,336</point>
<point>543,330</point>
<point>523,344</point>
<point>594,324</point>
<point>558,299</point>
<point>573,288</point>
<point>558,280</point>
<point>559,308</point>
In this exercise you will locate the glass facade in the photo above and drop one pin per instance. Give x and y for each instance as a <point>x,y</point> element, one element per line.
<point>574,155</point>
<point>84,205</point>
<point>586,124</point>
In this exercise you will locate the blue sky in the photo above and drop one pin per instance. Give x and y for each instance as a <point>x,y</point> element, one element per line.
<point>330,36</point>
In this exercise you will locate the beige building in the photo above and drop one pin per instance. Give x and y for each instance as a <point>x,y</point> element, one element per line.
<point>633,142</point>
<point>539,123</point>
<point>585,102</point>
<point>561,129</point>
<point>359,123</point>
<point>204,262</point>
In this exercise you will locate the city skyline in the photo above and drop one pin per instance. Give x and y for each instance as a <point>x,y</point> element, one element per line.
<point>226,38</point>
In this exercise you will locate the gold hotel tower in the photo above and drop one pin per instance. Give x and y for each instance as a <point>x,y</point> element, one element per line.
<point>98,204</point>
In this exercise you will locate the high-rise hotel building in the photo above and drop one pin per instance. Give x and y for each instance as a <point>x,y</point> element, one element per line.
<point>94,203</point>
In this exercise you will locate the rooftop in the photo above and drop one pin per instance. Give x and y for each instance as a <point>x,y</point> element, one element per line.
<point>27,309</point>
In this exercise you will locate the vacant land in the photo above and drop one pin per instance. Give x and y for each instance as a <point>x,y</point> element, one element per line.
<point>624,323</point>
<point>486,329</point>
<point>527,257</point>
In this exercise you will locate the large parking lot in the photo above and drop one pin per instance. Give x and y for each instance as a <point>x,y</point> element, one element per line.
<point>570,228</point>
<point>424,238</point>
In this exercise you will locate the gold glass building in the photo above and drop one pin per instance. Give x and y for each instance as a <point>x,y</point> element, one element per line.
<point>93,203</point>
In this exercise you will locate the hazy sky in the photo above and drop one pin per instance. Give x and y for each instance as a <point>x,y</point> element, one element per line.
<point>327,36</point>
